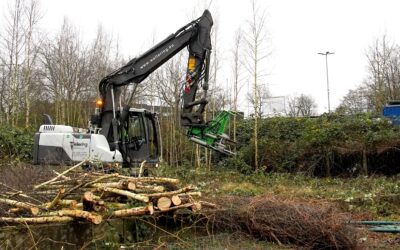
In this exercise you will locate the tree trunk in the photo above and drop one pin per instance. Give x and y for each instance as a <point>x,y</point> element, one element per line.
<point>56,199</point>
<point>171,193</point>
<point>126,193</point>
<point>328,164</point>
<point>365,162</point>
<point>151,179</point>
<point>133,211</point>
<point>37,220</point>
<point>124,184</point>
<point>27,206</point>
<point>146,189</point>
<point>94,218</point>
<point>69,203</point>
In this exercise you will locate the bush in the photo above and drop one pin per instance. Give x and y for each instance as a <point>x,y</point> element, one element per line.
<point>236,163</point>
<point>16,142</point>
<point>310,144</point>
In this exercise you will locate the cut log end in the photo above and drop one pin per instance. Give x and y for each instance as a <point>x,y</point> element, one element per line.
<point>91,202</point>
<point>87,196</point>
<point>164,203</point>
<point>97,219</point>
<point>87,201</point>
<point>196,206</point>
<point>34,210</point>
<point>131,186</point>
<point>176,200</point>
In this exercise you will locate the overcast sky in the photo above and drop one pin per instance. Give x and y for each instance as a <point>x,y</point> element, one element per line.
<point>298,30</point>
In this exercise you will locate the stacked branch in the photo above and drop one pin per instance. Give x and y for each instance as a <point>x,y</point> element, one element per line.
<point>311,225</point>
<point>92,196</point>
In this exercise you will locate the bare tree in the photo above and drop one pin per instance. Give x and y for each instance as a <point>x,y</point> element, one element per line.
<point>12,44</point>
<point>261,95</point>
<point>66,67</point>
<point>33,16</point>
<point>73,71</point>
<point>356,101</point>
<point>383,72</point>
<point>18,56</point>
<point>256,38</point>
<point>101,60</point>
<point>302,106</point>
<point>237,74</point>
<point>292,107</point>
<point>382,82</point>
<point>169,81</point>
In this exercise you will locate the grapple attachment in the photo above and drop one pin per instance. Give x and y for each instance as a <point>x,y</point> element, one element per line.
<point>212,134</point>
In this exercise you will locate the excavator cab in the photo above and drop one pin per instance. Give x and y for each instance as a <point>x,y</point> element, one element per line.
<point>139,138</point>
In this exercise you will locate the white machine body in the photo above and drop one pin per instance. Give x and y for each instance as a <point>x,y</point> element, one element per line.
<point>60,144</point>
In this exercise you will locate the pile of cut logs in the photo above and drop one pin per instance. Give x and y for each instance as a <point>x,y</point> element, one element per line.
<point>95,196</point>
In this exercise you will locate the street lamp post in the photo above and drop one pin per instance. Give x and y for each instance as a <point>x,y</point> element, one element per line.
<point>327,76</point>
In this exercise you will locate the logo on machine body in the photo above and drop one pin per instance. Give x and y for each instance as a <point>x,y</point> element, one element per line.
<point>49,127</point>
<point>79,144</point>
<point>162,52</point>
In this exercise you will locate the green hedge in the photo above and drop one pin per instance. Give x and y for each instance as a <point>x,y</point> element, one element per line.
<point>16,142</point>
<point>296,144</point>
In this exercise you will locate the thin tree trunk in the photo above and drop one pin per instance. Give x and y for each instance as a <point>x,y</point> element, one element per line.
<point>255,115</point>
<point>328,164</point>
<point>365,162</point>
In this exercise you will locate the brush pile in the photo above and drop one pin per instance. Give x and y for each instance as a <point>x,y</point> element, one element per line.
<point>312,225</point>
<point>94,196</point>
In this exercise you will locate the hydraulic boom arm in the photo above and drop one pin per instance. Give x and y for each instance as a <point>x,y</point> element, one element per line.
<point>196,37</point>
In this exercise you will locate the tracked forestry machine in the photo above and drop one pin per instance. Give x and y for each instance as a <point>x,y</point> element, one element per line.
<point>118,133</point>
